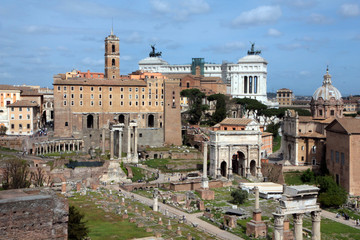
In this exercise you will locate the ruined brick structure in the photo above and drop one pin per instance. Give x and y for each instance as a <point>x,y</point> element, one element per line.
<point>33,214</point>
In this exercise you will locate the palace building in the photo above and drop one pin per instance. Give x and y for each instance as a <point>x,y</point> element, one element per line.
<point>145,105</point>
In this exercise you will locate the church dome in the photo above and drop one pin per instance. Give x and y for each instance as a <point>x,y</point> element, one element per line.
<point>327,90</point>
<point>252,59</point>
<point>153,61</point>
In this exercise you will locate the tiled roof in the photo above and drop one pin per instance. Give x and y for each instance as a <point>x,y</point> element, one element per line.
<point>236,121</point>
<point>312,135</point>
<point>351,125</point>
<point>23,103</point>
<point>264,134</point>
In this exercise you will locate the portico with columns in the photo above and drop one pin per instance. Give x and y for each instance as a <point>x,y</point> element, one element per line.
<point>58,145</point>
<point>296,201</point>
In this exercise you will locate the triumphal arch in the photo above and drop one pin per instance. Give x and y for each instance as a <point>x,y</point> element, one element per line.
<point>236,151</point>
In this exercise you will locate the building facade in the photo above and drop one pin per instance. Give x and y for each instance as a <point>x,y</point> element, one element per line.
<point>23,118</point>
<point>284,97</point>
<point>86,108</point>
<point>246,78</point>
<point>343,152</point>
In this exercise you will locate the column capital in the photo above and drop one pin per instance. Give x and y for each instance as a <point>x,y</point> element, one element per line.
<point>279,219</point>
<point>298,218</point>
<point>316,216</point>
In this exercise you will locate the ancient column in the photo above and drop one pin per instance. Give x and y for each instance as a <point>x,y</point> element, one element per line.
<point>230,174</point>
<point>258,167</point>
<point>120,143</point>
<point>316,218</point>
<point>135,143</point>
<point>103,142</point>
<point>247,162</point>
<point>205,180</point>
<point>298,225</point>
<point>64,147</point>
<point>111,144</point>
<point>278,226</point>
<point>129,143</point>
<point>257,205</point>
<point>155,205</point>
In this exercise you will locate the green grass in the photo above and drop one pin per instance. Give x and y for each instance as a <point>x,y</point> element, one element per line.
<point>293,178</point>
<point>106,225</point>
<point>157,163</point>
<point>4,149</point>
<point>276,143</point>
<point>137,174</point>
<point>350,213</point>
<point>334,230</point>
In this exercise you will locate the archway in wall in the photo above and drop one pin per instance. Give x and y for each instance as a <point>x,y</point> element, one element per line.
<point>242,164</point>
<point>121,118</point>
<point>235,164</point>
<point>151,120</point>
<point>223,169</point>
<point>90,121</point>
<point>253,167</point>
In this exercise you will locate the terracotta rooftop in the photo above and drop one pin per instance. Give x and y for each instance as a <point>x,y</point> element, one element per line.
<point>236,121</point>
<point>312,135</point>
<point>264,134</point>
<point>351,125</point>
<point>311,119</point>
<point>23,103</point>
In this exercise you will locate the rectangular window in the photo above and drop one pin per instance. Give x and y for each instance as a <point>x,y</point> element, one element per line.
<point>65,88</point>
<point>342,159</point>
<point>92,88</point>
<point>143,96</point>
<point>72,103</point>
<point>136,96</point>
<point>72,88</point>
<point>92,96</point>
<point>121,103</point>
<point>156,103</point>
<point>143,89</point>
<point>337,157</point>
<point>12,109</point>
<point>92,103</point>
<point>12,126</point>
<point>136,89</point>
<point>64,103</point>
<point>72,95</point>
<point>149,96</point>
<point>100,96</point>
<point>143,103</point>
<point>20,109</point>
<point>121,96</point>
<point>80,95</point>
<point>332,155</point>
<point>129,103</point>
<point>59,88</point>
<point>149,103</point>
<point>20,126</point>
<point>136,103</point>
<point>130,96</point>
<point>110,89</point>
<point>100,89</point>
<point>130,89</point>
<point>12,116</point>
<point>28,109</point>
<point>81,88</point>
<point>28,116</point>
<point>81,103</point>
<point>110,96</point>
<point>28,126</point>
<point>100,103</point>
<point>110,103</point>
<point>121,89</point>
<point>65,95</point>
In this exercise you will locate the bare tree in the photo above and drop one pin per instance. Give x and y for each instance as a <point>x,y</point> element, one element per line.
<point>38,177</point>
<point>16,174</point>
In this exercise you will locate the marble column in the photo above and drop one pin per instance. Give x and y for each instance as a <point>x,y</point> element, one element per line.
<point>103,142</point>
<point>135,144</point>
<point>278,226</point>
<point>247,163</point>
<point>111,144</point>
<point>298,225</point>
<point>230,172</point>
<point>205,180</point>
<point>316,218</point>
<point>129,143</point>
<point>120,143</point>
<point>155,205</point>
<point>258,167</point>
<point>64,147</point>
<point>257,204</point>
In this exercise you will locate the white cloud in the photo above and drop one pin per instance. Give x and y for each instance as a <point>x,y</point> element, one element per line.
<point>350,10</point>
<point>226,48</point>
<point>272,32</point>
<point>126,58</point>
<point>134,37</point>
<point>318,19</point>
<point>92,62</point>
<point>180,10</point>
<point>304,73</point>
<point>258,16</point>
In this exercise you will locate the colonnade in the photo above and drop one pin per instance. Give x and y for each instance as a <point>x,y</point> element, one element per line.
<point>116,141</point>
<point>58,146</point>
<point>298,222</point>
<point>251,84</point>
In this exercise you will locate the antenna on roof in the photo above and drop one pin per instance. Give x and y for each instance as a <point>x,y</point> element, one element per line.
<point>112,26</point>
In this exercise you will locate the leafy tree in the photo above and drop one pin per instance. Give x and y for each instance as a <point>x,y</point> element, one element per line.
<point>308,176</point>
<point>273,128</point>
<point>16,174</point>
<point>77,229</point>
<point>331,195</point>
<point>3,130</point>
<point>196,110</point>
<point>220,112</point>
<point>251,106</point>
<point>239,196</point>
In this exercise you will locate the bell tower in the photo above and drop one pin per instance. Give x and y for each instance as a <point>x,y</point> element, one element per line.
<point>112,56</point>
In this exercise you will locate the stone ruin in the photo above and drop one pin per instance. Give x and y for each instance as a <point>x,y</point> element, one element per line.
<point>297,200</point>
<point>256,227</point>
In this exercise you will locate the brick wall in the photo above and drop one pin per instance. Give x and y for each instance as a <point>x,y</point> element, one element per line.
<point>33,214</point>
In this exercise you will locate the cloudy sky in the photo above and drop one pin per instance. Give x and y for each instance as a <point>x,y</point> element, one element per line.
<point>298,38</point>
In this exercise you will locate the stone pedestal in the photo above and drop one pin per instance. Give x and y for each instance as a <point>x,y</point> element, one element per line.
<point>256,227</point>
<point>206,194</point>
<point>201,205</point>
<point>230,221</point>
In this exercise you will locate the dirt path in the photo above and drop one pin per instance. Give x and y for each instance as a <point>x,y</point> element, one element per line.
<point>332,216</point>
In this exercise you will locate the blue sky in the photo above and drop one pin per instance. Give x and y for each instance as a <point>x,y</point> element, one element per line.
<point>298,38</point>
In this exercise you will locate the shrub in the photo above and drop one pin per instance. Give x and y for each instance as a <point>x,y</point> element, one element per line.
<point>308,176</point>
<point>239,196</point>
<point>77,229</point>
<point>331,195</point>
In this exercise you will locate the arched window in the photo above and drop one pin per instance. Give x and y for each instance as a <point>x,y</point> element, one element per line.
<point>113,48</point>
<point>151,120</point>
<point>187,85</point>
<point>121,118</point>
<point>90,121</point>
<point>113,62</point>
<point>313,149</point>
